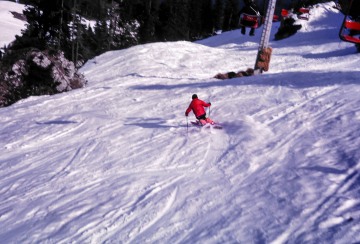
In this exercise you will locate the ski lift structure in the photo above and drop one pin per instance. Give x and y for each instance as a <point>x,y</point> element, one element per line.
<point>264,51</point>
<point>350,28</point>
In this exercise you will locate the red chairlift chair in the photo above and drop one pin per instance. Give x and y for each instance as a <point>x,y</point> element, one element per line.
<point>350,31</point>
<point>251,21</point>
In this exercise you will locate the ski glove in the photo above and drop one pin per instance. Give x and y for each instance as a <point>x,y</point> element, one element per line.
<point>186,114</point>
<point>209,103</point>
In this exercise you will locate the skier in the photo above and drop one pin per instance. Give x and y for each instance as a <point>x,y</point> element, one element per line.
<point>250,8</point>
<point>197,106</point>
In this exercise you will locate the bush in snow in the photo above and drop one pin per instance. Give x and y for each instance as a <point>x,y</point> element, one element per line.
<point>37,73</point>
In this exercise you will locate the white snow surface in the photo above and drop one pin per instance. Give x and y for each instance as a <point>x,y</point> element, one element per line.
<point>116,162</point>
<point>10,26</point>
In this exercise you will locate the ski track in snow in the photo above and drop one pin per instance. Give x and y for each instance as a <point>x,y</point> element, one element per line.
<point>116,162</point>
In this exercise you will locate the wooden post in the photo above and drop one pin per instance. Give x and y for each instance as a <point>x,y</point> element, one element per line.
<point>264,52</point>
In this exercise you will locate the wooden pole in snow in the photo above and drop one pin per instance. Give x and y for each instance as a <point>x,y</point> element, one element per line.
<point>264,51</point>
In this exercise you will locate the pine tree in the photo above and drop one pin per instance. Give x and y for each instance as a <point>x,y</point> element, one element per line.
<point>101,36</point>
<point>164,17</point>
<point>231,16</point>
<point>47,22</point>
<point>127,33</point>
<point>174,17</point>
<point>218,14</point>
<point>207,18</point>
<point>201,22</point>
<point>118,27</point>
<point>195,19</point>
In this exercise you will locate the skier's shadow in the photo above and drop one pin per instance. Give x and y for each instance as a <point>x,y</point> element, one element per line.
<point>57,122</point>
<point>150,123</point>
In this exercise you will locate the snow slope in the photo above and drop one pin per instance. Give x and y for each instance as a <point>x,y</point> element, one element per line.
<point>10,26</point>
<point>115,162</point>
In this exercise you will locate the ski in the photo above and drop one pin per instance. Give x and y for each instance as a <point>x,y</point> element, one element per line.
<point>198,124</point>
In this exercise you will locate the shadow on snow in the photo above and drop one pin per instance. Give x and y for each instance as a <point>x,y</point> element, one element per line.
<point>295,80</point>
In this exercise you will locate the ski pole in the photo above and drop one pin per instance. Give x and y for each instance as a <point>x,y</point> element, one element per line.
<point>209,110</point>
<point>187,125</point>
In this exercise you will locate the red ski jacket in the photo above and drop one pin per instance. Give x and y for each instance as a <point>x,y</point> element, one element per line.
<point>197,106</point>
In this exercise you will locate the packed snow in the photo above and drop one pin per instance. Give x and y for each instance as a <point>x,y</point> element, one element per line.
<point>10,26</point>
<point>118,161</point>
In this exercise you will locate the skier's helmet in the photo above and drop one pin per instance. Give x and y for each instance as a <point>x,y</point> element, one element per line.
<point>194,96</point>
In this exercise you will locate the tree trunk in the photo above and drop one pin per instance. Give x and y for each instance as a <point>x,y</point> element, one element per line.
<point>61,24</point>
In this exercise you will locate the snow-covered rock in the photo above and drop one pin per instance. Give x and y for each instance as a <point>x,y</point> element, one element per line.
<point>39,73</point>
